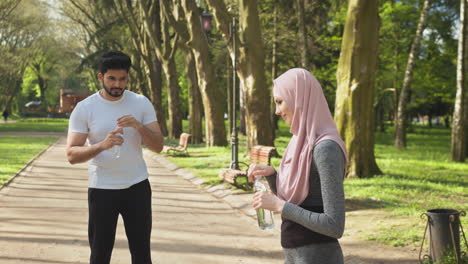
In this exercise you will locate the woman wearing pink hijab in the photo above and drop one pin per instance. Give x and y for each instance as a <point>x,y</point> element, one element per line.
<point>307,189</point>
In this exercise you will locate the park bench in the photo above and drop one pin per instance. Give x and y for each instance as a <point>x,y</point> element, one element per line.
<point>181,148</point>
<point>258,155</point>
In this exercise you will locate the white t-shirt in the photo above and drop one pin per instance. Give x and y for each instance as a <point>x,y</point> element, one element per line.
<point>97,117</point>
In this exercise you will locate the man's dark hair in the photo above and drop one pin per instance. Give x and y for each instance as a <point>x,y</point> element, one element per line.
<point>114,60</point>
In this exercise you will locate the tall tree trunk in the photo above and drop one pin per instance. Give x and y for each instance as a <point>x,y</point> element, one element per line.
<point>195,40</point>
<point>42,87</point>
<point>173,98</point>
<point>401,119</point>
<point>274,69</point>
<point>396,65</point>
<point>459,137</point>
<point>215,130</point>
<point>302,32</point>
<point>16,84</point>
<point>376,117</point>
<point>138,76</point>
<point>41,82</point>
<point>146,44</point>
<point>315,25</point>
<point>355,93</point>
<point>251,65</point>
<point>195,101</point>
<point>153,70</point>
<point>242,110</point>
<point>382,119</point>
<point>448,122</point>
<point>8,104</point>
<point>154,76</point>
<point>164,45</point>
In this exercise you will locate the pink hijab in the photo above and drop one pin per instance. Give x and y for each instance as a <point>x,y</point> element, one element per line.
<point>312,123</point>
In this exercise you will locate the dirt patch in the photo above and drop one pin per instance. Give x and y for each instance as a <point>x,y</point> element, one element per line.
<point>362,222</point>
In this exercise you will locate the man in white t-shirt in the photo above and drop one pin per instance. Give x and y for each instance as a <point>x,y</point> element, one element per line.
<point>115,120</point>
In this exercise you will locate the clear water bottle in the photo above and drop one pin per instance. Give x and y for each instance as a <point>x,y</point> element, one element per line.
<point>264,217</point>
<point>116,148</point>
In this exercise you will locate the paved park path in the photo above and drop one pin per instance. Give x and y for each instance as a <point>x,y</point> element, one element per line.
<point>43,219</point>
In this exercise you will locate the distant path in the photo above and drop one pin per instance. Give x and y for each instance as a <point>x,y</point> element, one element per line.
<point>8,121</point>
<point>34,134</point>
<point>43,219</point>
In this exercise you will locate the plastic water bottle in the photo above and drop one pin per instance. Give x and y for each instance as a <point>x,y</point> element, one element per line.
<point>116,148</point>
<point>264,217</point>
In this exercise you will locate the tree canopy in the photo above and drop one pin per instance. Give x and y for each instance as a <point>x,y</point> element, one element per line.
<point>51,45</point>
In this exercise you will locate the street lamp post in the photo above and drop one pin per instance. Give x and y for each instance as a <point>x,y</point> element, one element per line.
<point>206,25</point>
<point>206,21</point>
<point>234,139</point>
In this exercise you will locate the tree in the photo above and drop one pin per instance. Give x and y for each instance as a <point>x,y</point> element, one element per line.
<point>402,116</point>
<point>46,56</point>
<point>251,68</point>
<point>195,99</point>
<point>165,44</point>
<point>197,41</point>
<point>458,142</point>
<point>302,33</point>
<point>434,94</point>
<point>274,68</point>
<point>176,17</point>
<point>105,25</point>
<point>355,93</point>
<point>18,32</point>
<point>7,7</point>
<point>147,49</point>
<point>96,29</point>
<point>396,34</point>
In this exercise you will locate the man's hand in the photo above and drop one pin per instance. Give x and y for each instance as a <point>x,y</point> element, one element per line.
<point>150,133</point>
<point>112,139</point>
<point>128,121</point>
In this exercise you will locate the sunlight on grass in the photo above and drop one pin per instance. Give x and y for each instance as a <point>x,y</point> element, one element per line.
<point>397,235</point>
<point>416,179</point>
<point>15,152</point>
<point>36,125</point>
<point>206,162</point>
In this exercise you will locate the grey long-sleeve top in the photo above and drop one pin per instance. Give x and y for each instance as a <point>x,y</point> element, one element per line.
<point>326,188</point>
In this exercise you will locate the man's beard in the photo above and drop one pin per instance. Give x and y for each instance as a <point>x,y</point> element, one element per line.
<point>114,91</point>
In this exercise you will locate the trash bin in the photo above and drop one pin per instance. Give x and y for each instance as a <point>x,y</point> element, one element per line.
<point>444,233</point>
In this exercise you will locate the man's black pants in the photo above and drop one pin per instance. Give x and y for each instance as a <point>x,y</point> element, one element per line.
<point>134,204</point>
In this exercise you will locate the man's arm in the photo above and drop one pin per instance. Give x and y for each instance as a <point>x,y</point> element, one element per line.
<point>77,152</point>
<point>150,133</point>
<point>151,136</point>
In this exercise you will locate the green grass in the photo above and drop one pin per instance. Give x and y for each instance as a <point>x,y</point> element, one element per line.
<point>416,179</point>
<point>449,258</point>
<point>36,125</point>
<point>206,162</point>
<point>15,152</point>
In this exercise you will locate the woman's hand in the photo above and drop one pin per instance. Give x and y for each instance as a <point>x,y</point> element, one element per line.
<point>267,201</point>
<point>259,170</point>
